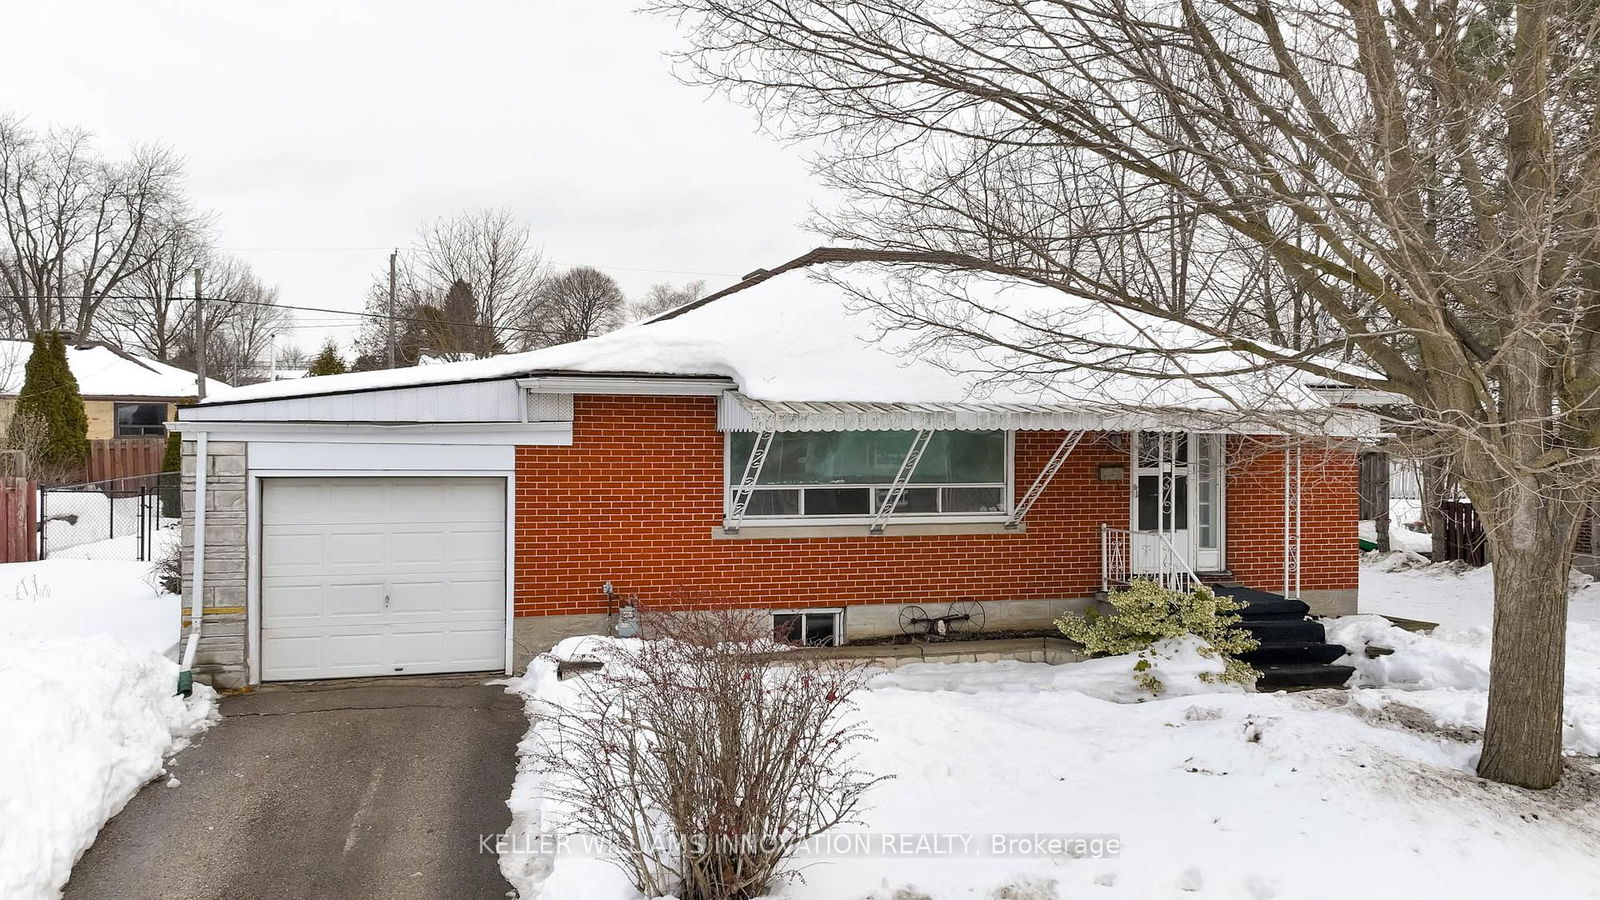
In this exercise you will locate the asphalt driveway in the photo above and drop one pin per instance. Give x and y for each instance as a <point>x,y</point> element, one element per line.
<point>365,788</point>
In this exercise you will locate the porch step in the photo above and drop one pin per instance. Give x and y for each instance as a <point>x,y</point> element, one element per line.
<point>1262,604</point>
<point>1289,652</point>
<point>1285,630</point>
<point>1302,675</point>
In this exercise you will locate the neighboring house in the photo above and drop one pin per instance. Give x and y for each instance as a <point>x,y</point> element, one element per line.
<point>765,448</point>
<point>124,395</point>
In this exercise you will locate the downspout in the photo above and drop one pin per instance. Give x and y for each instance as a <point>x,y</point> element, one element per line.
<point>198,579</point>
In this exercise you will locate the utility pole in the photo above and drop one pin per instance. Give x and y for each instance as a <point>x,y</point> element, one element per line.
<point>199,339</point>
<point>392,255</point>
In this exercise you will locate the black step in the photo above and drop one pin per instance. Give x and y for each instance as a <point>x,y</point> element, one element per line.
<point>1291,652</point>
<point>1262,603</point>
<point>1285,631</point>
<point>1285,677</point>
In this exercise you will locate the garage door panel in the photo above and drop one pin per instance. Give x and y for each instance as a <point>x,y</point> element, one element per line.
<point>482,647</point>
<point>333,548</point>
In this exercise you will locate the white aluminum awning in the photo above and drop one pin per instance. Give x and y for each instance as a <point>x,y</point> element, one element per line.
<point>738,412</point>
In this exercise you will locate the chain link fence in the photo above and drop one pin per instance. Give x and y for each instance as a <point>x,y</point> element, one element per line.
<point>122,519</point>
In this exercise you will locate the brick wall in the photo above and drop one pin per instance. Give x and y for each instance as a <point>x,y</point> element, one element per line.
<point>1330,507</point>
<point>635,498</point>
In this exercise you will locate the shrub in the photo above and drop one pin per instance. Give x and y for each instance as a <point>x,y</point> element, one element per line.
<point>167,575</point>
<point>48,422</point>
<point>1147,614</point>
<point>705,755</point>
<point>328,362</point>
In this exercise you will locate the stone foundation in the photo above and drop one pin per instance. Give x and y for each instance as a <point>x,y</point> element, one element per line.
<point>1331,603</point>
<point>532,635</point>
<point>220,657</point>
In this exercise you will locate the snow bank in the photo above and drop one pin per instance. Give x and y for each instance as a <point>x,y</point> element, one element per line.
<point>1400,537</point>
<point>1178,663</point>
<point>89,720</point>
<point>1445,673</point>
<point>1218,793</point>
<point>81,597</point>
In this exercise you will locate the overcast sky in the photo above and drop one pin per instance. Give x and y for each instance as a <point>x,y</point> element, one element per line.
<point>323,133</point>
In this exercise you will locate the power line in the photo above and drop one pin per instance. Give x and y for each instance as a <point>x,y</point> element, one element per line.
<point>337,312</point>
<point>410,251</point>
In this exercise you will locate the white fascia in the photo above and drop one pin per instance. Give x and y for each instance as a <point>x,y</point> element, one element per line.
<point>513,433</point>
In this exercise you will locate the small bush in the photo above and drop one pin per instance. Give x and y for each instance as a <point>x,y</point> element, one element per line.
<point>168,572</point>
<point>705,755</point>
<point>1147,614</point>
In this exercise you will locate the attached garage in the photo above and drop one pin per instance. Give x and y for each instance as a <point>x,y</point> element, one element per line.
<point>366,576</point>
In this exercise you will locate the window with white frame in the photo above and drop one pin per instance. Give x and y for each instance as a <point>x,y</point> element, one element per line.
<point>844,474</point>
<point>808,627</point>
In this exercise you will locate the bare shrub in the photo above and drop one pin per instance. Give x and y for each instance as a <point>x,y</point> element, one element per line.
<point>27,441</point>
<point>704,755</point>
<point>167,574</point>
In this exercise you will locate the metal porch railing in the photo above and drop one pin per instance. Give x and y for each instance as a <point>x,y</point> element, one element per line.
<point>1168,568</point>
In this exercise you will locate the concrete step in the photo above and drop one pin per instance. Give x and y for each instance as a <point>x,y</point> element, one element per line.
<point>1291,652</point>
<point>1300,675</point>
<point>1286,630</point>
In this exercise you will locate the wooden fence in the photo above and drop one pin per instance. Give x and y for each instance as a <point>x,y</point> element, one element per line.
<point>19,520</point>
<point>124,458</point>
<point>1374,484</point>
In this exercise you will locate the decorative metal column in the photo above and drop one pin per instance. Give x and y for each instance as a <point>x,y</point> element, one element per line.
<point>1292,520</point>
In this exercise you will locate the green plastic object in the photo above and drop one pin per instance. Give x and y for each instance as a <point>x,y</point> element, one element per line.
<point>1366,545</point>
<point>185,683</point>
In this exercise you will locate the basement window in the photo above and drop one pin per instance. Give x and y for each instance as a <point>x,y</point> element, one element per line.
<point>808,628</point>
<point>848,475</point>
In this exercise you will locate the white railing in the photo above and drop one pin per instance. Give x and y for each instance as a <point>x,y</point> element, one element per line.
<point>1126,555</point>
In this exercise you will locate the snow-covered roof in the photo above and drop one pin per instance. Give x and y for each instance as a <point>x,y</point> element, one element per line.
<point>104,372</point>
<point>822,335</point>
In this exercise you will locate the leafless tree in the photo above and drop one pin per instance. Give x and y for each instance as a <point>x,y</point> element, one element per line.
<point>1412,186</point>
<point>75,227</point>
<point>491,252</point>
<point>703,758</point>
<point>579,303</point>
<point>664,296</point>
<point>154,313</point>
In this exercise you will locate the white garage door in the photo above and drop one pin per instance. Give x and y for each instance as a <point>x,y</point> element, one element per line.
<point>382,576</point>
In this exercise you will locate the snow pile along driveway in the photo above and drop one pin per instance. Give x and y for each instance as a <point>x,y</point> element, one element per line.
<point>88,721</point>
<point>88,706</point>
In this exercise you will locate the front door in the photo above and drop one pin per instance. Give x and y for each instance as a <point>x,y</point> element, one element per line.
<point>1177,495</point>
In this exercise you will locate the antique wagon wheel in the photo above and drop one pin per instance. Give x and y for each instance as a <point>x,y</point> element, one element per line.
<point>914,620</point>
<point>965,616</point>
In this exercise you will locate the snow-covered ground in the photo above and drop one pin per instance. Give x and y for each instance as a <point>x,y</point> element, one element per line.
<point>1400,537</point>
<point>1211,792</point>
<point>90,711</point>
<point>83,597</point>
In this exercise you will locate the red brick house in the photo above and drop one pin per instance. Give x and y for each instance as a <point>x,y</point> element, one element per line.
<point>770,448</point>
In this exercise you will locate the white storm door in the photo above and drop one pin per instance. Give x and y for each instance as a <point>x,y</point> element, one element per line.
<point>1161,500</point>
<point>381,576</point>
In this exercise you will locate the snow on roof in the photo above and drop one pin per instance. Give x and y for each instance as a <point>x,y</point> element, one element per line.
<point>822,335</point>
<point>104,372</point>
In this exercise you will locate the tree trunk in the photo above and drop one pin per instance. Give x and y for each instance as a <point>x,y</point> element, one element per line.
<point>1530,534</point>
